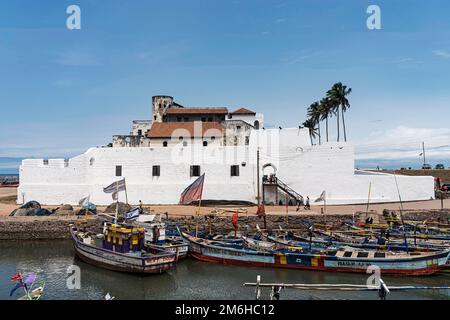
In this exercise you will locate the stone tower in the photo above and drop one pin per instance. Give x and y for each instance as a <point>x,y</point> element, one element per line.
<point>160,106</point>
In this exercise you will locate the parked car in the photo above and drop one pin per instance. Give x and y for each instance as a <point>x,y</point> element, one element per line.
<point>439,166</point>
<point>427,167</point>
<point>445,187</point>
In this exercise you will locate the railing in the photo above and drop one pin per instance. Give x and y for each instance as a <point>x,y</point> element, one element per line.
<point>283,186</point>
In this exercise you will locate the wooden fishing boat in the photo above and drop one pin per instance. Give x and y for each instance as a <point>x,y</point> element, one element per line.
<point>346,260</point>
<point>374,242</point>
<point>120,248</point>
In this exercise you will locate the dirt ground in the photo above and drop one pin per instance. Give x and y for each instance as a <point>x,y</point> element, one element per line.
<point>8,204</point>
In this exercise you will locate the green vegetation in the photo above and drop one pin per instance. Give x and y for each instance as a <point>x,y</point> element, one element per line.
<point>334,103</point>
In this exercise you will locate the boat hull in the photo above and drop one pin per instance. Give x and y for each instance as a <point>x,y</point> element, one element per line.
<point>122,262</point>
<point>319,262</point>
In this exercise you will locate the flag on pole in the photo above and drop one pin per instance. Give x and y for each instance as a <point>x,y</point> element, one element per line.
<point>20,283</point>
<point>115,188</point>
<point>234,220</point>
<point>322,197</point>
<point>193,192</point>
<point>84,203</point>
<point>132,214</point>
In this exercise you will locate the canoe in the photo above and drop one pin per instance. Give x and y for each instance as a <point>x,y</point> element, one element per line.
<point>110,256</point>
<point>390,263</point>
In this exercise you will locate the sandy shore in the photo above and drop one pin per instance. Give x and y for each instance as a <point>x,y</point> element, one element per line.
<point>8,204</point>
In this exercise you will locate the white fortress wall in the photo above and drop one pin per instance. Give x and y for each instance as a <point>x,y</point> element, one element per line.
<point>307,169</point>
<point>56,185</point>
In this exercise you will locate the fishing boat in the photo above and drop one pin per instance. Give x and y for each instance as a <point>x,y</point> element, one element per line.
<point>342,260</point>
<point>27,284</point>
<point>120,247</point>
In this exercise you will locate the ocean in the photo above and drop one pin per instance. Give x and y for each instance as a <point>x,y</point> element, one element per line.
<point>9,166</point>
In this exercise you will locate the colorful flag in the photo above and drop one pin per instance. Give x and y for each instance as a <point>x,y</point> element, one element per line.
<point>20,283</point>
<point>115,188</point>
<point>193,192</point>
<point>234,220</point>
<point>30,278</point>
<point>322,197</point>
<point>133,214</point>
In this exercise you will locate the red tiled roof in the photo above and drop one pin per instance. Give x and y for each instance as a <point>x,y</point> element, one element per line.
<point>243,111</point>
<point>197,111</point>
<point>185,129</point>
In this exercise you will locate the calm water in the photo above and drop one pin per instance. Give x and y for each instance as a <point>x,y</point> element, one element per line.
<point>189,280</point>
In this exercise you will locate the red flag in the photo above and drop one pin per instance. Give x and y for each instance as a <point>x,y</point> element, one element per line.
<point>193,192</point>
<point>234,220</point>
<point>16,277</point>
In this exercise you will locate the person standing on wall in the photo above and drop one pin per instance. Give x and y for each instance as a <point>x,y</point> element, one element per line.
<point>307,205</point>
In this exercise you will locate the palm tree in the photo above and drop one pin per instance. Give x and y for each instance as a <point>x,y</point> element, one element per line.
<point>315,114</point>
<point>326,111</point>
<point>309,123</point>
<point>338,95</point>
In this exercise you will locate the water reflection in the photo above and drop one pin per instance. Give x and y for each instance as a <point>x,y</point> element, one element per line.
<point>191,279</point>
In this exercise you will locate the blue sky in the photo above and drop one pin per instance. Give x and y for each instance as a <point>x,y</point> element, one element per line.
<point>63,91</point>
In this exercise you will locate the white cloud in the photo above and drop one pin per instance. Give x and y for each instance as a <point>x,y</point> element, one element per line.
<point>442,53</point>
<point>404,143</point>
<point>280,20</point>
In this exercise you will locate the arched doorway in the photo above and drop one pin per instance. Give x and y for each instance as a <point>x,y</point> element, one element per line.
<point>256,124</point>
<point>269,183</point>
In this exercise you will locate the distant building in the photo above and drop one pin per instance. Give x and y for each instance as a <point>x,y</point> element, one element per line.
<point>160,157</point>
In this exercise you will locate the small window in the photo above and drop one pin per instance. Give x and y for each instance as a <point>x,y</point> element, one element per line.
<point>156,171</point>
<point>91,161</point>
<point>45,162</point>
<point>210,119</point>
<point>238,127</point>
<point>230,116</point>
<point>118,171</point>
<point>180,138</point>
<point>247,141</point>
<point>363,254</point>
<point>205,143</point>
<point>165,144</point>
<point>213,138</point>
<point>139,132</point>
<point>66,163</point>
<point>203,119</point>
<point>184,143</point>
<point>348,254</point>
<point>186,119</point>
<point>179,119</point>
<point>379,255</point>
<point>235,171</point>
<point>195,171</point>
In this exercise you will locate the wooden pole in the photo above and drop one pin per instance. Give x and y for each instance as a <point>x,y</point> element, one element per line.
<point>368,197</point>
<point>257,177</point>
<point>287,210</point>
<point>117,204</point>
<point>126,192</point>
<point>198,210</point>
